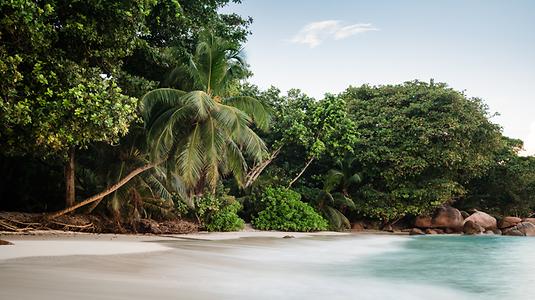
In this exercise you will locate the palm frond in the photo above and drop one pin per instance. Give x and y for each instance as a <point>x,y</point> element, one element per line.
<point>201,103</point>
<point>255,109</point>
<point>158,100</point>
<point>341,200</point>
<point>336,218</point>
<point>332,179</point>
<point>190,160</point>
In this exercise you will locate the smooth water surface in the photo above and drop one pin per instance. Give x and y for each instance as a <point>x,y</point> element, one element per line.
<point>349,267</point>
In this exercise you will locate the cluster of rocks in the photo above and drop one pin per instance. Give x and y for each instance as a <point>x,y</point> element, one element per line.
<point>450,220</point>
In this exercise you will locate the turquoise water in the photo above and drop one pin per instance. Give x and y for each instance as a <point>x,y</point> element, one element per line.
<point>478,267</point>
<point>491,267</point>
<point>348,267</point>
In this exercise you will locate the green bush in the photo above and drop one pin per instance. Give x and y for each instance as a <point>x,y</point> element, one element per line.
<point>285,211</point>
<point>218,213</point>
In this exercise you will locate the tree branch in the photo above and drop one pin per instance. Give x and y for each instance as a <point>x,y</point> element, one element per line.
<point>301,173</point>
<point>257,170</point>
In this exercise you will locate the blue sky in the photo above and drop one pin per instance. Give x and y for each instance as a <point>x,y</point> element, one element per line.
<point>486,48</point>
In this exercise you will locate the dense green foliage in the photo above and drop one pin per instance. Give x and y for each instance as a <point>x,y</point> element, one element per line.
<point>419,145</point>
<point>508,188</point>
<point>61,63</point>
<point>161,84</point>
<point>218,212</point>
<point>205,134</point>
<point>71,70</point>
<point>286,212</point>
<point>333,200</point>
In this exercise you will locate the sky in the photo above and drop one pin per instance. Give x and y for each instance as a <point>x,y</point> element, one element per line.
<point>485,48</point>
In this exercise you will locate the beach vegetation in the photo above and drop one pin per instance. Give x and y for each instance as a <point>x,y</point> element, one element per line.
<point>285,211</point>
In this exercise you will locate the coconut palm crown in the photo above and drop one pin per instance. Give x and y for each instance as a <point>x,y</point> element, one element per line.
<point>206,133</point>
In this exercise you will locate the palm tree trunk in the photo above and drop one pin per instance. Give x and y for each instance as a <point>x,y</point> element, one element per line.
<point>301,173</point>
<point>70,186</point>
<point>104,193</point>
<point>96,203</point>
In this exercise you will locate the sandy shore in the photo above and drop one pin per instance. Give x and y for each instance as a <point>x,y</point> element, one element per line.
<point>61,243</point>
<point>201,266</point>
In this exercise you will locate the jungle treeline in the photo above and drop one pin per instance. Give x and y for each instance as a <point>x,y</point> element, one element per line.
<point>142,109</point>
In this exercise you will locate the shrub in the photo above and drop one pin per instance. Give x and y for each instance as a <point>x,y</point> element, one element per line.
<point>285,211</point>
<point>218,213</point>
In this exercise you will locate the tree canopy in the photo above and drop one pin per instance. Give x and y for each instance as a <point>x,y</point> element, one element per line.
<point>419,145</point>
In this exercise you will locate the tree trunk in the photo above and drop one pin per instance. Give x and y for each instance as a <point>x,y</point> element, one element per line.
<point>257,170</point>
<point>104,193</point>
<point>301,173</point>
<point>96,203</point>
<point>69,180</point>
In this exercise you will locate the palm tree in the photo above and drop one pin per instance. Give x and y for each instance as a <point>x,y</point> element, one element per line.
<point>147,195</point>
<point>206,133</point>
<point>334,198</point>
<point>203,134</point>
<point>344,177</point>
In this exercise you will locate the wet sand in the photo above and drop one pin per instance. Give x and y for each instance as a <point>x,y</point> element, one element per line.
<point>60,265</point>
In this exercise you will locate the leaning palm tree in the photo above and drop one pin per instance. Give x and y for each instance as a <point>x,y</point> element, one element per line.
<point>147,195</point>
<point>206,133</point>
<point>203,134</point>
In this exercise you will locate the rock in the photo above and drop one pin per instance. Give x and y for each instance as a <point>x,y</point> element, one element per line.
<point>527,228</point>
<point>531,220</point>
<point>447,217</point>
<point>288,237</point>
<point>509,222</point>
<point>439,231</point>
<point>2,242</point>
<point>430,231</point>
<point>497,231</point>
<point>513,232</point>
<point>483,219</point>
<point>149,226</point>
<point>444,217</point>
<point>416,231</point>
<point>359,226</point>
<point>423,222</point>
<point>464,214</point>
<point>471,227</point>
<point>489,232</point>
<point>472,211</point>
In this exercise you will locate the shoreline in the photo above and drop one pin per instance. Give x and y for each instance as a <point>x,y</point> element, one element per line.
<point>46,243</point>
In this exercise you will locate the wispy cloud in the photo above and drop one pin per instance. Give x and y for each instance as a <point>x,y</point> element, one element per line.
<point>313,34</point>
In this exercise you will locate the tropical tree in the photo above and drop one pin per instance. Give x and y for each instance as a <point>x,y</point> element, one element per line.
<point>333,200</point>
<point>59,61</point>
<point>507,188</point>
<point>150,194</point>
<point>344,176</point>
<point>322,129</point>
<point>203,134</point>
<point>206,133</point>
<point>419,145</point>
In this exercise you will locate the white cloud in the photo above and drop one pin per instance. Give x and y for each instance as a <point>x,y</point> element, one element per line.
<point>313,34</point>
<point>529,141</point>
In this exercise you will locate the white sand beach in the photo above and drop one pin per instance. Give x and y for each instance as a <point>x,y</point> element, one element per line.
<point>59,243</point>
